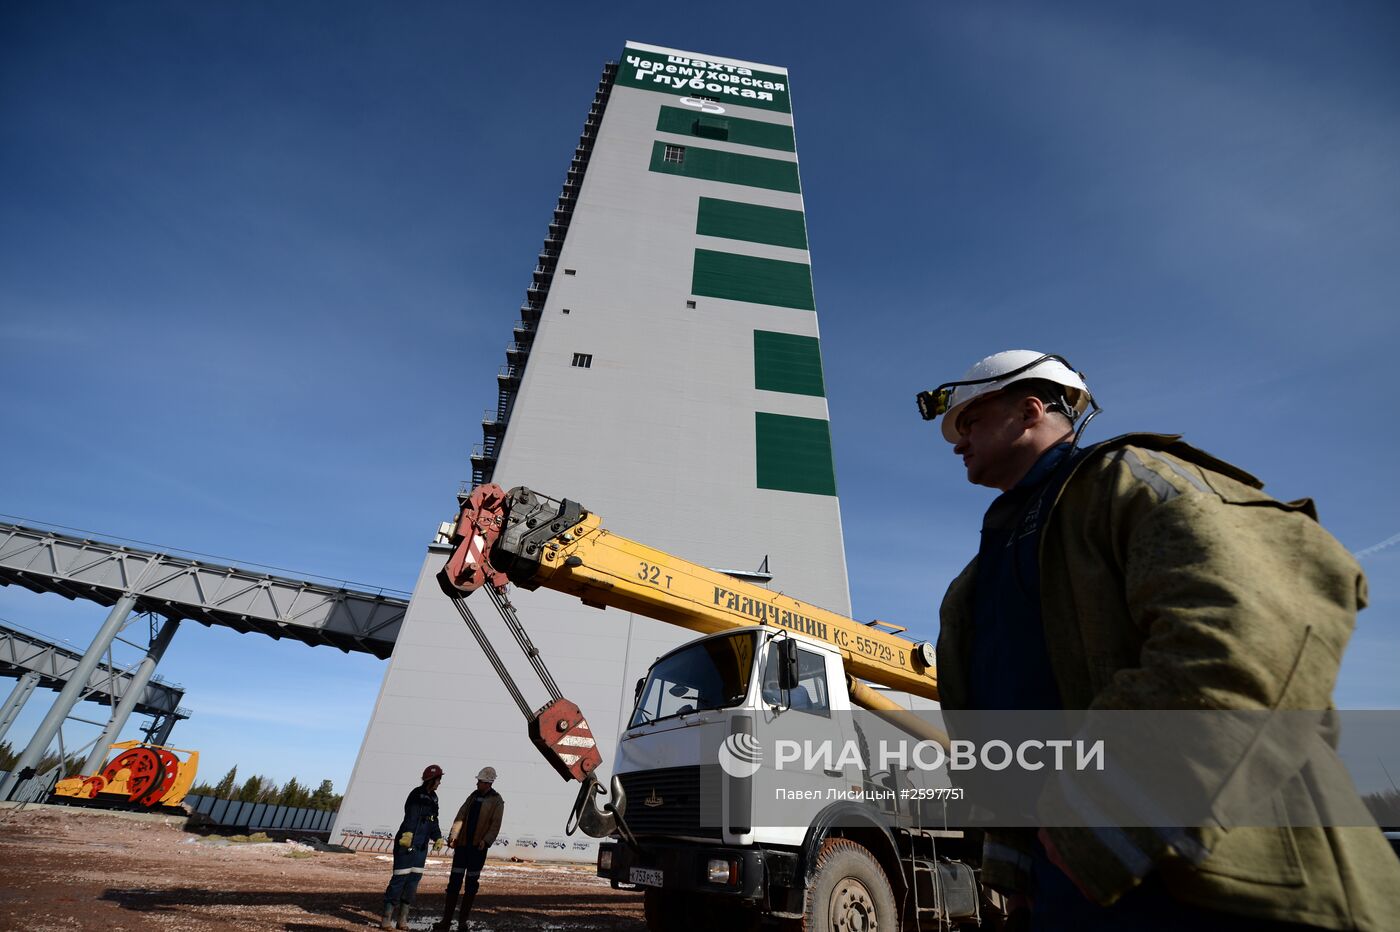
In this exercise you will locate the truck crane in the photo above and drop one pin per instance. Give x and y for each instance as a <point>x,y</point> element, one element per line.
<point>853,868</point>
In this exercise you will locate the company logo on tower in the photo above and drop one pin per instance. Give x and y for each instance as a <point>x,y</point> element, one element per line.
<point>740,755</point>
<point>708,106</point>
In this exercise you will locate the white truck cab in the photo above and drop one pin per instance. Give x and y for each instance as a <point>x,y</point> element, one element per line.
<point>694,859</point>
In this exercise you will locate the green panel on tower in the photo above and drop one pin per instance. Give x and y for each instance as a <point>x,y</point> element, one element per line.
<point>751,222</point>
<point>753,279</point>
<point>727,128</point>
<point>794,454</point>
<point>787,362</point>
<point>730,167</point>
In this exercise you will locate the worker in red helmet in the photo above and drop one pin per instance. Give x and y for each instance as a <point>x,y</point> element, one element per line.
<point>416,833</point>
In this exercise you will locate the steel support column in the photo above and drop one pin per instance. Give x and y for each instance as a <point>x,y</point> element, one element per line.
<point>77,682</point>
<point>24,688</point>
<point>135,687</point>
<point>159,732</point>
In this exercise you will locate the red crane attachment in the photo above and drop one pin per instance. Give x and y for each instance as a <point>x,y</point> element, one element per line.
<point>558,729</point>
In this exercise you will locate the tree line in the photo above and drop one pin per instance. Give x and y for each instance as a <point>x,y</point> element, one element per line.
<point>260,789</point>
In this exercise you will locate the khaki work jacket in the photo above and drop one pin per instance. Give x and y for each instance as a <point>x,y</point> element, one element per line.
<point>488,821</point>
<point>1169,580</point>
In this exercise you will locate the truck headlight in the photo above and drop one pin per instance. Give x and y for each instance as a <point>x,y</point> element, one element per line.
<point>722,871</point>
<point>605,859</point>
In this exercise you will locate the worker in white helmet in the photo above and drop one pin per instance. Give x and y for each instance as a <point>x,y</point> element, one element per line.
<point>1008,452</point>
<point>1136,574</point>
<point>474,830</point>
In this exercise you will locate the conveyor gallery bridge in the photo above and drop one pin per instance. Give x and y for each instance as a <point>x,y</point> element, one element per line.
<point>167,587</point>
<point>38,662</point>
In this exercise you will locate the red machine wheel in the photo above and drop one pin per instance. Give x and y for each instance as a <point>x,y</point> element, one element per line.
<point>170,769</point>
<point>147,771</point>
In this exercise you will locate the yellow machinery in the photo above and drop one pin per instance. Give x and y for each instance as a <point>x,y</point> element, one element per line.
<point>144,774</point>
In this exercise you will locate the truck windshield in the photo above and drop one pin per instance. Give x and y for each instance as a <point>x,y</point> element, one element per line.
<point>713,674</point>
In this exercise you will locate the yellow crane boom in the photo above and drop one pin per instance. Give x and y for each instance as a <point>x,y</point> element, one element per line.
<point>534,541</point>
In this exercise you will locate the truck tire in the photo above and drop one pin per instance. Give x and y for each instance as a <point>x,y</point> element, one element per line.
<point>848,892</point>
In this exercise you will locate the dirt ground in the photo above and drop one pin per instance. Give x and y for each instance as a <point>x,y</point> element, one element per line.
<point>73,869</point>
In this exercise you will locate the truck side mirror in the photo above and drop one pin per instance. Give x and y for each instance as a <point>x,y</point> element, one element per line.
<point>787,664</point>
<point>637,692</point>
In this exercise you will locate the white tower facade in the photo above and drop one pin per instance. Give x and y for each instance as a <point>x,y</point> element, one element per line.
<point>666,373</point>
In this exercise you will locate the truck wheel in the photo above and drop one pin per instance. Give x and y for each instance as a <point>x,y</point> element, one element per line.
<point>849,892</point>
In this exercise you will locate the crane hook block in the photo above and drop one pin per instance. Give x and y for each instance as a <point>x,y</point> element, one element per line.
<point>562,735</point>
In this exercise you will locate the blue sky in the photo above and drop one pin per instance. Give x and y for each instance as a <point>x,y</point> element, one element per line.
<point>259,263</point>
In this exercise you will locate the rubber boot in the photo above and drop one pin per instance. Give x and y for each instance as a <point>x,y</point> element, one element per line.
<point>403,916</point>
<point>445,923</point>
<point>388,921</point>
<point>466,911</point>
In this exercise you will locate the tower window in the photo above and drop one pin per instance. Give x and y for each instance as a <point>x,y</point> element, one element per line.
<point>583,360</point>
<point>690,304</point>
<point>674,154</point>
<point>570,272</point>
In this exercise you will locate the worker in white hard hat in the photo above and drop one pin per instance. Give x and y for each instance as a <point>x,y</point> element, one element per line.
<point>473,832</point>
<point>1141,573</point>
<point>998,452</point>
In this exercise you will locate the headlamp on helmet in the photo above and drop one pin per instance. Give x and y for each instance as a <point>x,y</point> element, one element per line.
<point>934,402</point>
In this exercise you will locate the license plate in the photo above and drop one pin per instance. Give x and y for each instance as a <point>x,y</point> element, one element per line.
<point>645,876</point>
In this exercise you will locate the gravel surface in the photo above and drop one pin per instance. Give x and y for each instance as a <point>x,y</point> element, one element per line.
<point>72,869</point>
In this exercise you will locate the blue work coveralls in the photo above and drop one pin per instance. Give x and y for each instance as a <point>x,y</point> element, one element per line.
<point>420,818</point>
